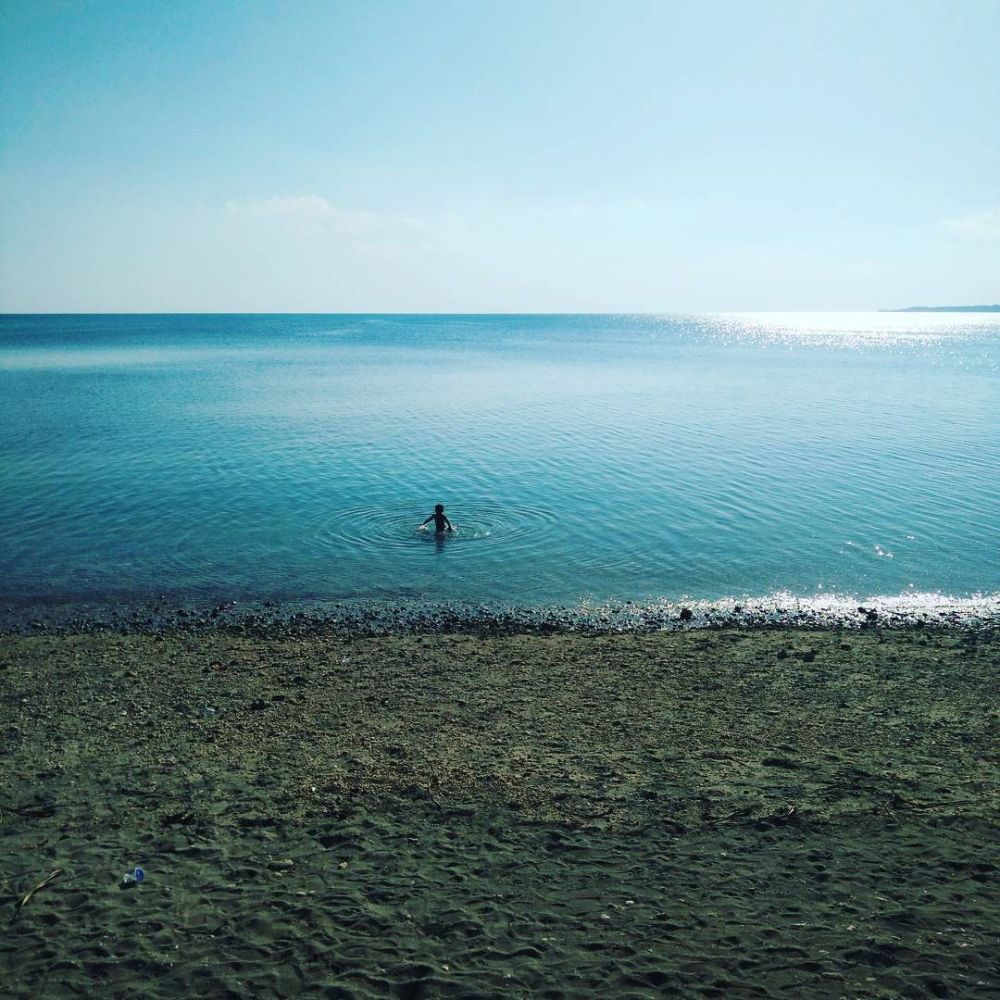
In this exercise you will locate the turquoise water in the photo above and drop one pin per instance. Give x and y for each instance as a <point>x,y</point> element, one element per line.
<point>582,457</point>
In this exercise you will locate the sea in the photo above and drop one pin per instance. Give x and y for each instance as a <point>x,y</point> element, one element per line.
<point>583,459</point>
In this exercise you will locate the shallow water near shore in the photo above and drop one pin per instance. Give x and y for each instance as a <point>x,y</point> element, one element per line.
<point>583,458</point>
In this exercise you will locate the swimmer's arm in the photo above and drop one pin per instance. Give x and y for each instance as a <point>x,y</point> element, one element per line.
<point>446,521</point>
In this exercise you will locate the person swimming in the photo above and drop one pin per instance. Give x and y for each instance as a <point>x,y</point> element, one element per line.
<point>440,519</point>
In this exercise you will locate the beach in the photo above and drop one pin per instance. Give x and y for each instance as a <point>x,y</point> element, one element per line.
<point>496,503</point>
<point>698,699</point>
<point>713,812</point>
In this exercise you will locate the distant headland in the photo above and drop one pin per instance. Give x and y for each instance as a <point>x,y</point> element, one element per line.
<point>945,309</point>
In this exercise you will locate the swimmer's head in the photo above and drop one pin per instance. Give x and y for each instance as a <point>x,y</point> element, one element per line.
<point>438,508</point>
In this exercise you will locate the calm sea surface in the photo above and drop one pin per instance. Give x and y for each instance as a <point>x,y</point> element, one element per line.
<point>581,457</point>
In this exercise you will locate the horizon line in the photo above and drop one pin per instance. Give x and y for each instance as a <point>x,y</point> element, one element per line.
<point>517,312</point>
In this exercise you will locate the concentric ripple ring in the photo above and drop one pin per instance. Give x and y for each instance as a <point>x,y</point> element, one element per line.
<point>483,522</point>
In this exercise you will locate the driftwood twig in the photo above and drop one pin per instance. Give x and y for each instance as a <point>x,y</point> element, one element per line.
<point>41,885</point>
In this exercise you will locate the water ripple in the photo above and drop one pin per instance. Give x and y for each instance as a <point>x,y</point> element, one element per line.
<point>395,527</point>
<point>609,456</point>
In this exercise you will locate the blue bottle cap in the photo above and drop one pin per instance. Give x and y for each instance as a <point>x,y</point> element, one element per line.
<point>139,875</point>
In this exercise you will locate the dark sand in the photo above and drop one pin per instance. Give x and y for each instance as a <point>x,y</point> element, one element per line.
<point>711,813</point>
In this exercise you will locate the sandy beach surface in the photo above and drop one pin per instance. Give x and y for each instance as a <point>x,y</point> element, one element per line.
<point>717,813</point>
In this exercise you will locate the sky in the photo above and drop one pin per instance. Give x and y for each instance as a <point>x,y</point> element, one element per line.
<point>502,156</point>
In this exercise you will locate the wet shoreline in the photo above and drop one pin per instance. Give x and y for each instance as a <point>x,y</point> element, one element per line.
<point>387,617</point>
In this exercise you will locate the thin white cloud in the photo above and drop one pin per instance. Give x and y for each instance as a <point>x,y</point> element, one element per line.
<point>316,215</point>
<point>980,226</point>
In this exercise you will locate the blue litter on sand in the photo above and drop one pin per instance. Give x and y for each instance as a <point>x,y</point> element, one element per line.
<point>133,877</point>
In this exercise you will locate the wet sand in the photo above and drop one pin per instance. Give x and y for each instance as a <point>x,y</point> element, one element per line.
<point>723,813</point>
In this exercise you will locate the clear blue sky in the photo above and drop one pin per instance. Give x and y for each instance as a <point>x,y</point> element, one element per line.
<point>500,156</point>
